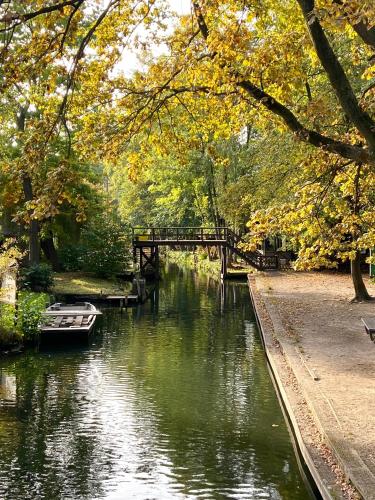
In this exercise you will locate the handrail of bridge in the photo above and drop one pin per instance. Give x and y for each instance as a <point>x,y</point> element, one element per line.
<point>179,233</point>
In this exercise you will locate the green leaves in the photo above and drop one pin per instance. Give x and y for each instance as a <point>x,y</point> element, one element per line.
<point>29,313</point>
<point>105,246</point>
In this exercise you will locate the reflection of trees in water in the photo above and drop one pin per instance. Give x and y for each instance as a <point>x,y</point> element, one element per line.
<point>209,380</point>
<point>188,382</point>
<point>45,460</point>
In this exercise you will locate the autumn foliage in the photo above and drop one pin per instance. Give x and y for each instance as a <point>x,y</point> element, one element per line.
<point>258,111</point>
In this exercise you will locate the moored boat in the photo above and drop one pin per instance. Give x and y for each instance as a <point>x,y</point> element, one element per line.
<point>73,320</point>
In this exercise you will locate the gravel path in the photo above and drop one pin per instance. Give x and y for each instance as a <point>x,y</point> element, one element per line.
<point>325,345</point>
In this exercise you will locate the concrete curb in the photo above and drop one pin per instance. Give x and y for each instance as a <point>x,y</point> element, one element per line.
<point>321,473</point>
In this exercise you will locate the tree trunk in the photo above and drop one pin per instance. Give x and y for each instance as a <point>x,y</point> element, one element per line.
<point>361,292</point>
<point>9,228</point>
<point>50,252</point>
<point>33,229</point>
<point>34,248</point>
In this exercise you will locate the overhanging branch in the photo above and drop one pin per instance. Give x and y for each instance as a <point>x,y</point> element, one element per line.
<point>336,74</point>
<point>304,134</point>
<point>15,16</point>
<point>361,27</point>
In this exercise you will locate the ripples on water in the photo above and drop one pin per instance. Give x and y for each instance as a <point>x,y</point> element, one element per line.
<point>169,401</point>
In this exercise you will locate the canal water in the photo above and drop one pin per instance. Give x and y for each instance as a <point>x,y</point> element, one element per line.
<point>172,400</point>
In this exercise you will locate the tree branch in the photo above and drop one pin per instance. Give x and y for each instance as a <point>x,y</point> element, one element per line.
<point>312,137</point>
<point>78,56</point>
<point>361,28</point>
<point>336,75</point>
<point>367,34</point>
<point>15,16</point>
<point>340,148</point>
<point>69,21</point>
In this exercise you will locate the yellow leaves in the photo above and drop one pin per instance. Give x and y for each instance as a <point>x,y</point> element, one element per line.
<point>369,73</point>
<point>330,219</point>
<point>354,10</point>
<point>133,163</point>
<point>10,254</point>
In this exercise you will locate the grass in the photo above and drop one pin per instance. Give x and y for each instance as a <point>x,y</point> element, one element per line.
<point>79,283</point>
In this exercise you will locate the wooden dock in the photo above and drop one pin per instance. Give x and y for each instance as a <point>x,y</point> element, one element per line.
<point>124,300</point>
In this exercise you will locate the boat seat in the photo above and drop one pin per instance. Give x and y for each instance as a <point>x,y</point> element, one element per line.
<point>78,321</point>
<point>68,320</point>
<point>57,321</point>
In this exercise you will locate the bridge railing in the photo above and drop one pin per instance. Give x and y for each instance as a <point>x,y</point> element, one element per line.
<point>177,234</point>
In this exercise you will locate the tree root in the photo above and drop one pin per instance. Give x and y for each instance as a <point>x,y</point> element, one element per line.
<point>358,300</point>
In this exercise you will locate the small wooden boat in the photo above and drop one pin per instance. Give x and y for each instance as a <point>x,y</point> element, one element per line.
<point>72,320</point>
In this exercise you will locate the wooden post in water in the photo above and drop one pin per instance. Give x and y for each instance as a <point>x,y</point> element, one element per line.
<point>223,257</point>
<point>156,262</point>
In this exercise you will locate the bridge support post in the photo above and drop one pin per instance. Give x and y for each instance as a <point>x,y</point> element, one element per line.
<point>147,258</point>
<point>224,262</point>
<point>156,262</point>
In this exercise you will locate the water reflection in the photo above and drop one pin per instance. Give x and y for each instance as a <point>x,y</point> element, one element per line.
<point>172,400</point>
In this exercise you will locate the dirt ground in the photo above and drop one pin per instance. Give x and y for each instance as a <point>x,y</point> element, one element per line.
<point>333,360</point>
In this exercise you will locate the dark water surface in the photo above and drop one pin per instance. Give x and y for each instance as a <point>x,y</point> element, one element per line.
<point>170,401</point>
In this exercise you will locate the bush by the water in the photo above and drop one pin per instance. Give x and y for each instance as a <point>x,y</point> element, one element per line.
<point>37,278</point>
<point>22,323</point>
<point>195,260</point>
<point>29,312</point>
<point>8,331</point>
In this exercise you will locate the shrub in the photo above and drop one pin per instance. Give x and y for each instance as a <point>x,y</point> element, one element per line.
<point>107,246</point>
<point>8,332</point>
<point>71,257</point>
<point>104,248</point>
<point>202,256</point>
<point>37,278</point>
<point>29,312</point>
<point>7,313</point>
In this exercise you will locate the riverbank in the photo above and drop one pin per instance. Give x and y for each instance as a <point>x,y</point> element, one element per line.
<point>197,261</point>
<point>324,364</point>
<point>19,320</point>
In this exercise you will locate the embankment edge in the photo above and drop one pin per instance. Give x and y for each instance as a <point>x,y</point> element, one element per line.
<point>321,472</point>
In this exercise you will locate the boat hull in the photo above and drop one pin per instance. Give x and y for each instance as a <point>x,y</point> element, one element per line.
<point>68,322</point>
<point>71,332</point>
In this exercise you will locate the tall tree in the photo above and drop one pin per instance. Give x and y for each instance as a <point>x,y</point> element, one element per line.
<point>289,62</point>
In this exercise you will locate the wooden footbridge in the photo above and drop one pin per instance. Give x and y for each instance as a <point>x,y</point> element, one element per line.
<point>146,242</point>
